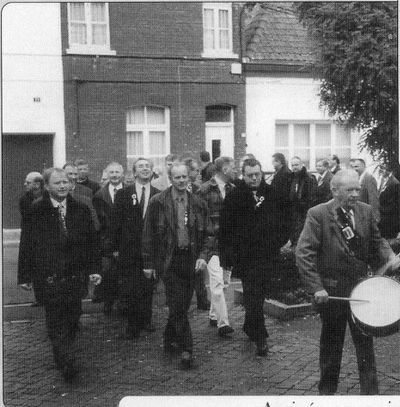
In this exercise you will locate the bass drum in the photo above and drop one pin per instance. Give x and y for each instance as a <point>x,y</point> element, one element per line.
<point>380,316</point>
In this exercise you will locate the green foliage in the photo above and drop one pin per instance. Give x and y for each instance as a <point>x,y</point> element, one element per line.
<point>356,60</point>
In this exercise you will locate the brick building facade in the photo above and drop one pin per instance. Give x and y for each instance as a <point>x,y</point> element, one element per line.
<point>151,87</point>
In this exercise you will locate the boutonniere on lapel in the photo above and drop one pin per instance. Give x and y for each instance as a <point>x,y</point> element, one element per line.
<point>260,201</point>
<point>134,199</point>
<point>185,219</point>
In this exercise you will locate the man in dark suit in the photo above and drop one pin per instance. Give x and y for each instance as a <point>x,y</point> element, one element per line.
<point>389,203</point>
<point>369,188</point>
<point>303,191</point>
<point>249,242</point>
<point>83,179</point>
<point>34,189</point>
<point>323,178</point>
<point>280,183</point>
<point>129,210</point>
<point>339,241</point>
<point>173,245</point>
<point>59,248</point>
<point>103,202</point>
<point>335,164</point>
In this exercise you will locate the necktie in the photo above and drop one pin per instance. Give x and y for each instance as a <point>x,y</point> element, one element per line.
<point>228,188</point>
<point>115,193</point>
<point>61,218</point>
<point>142,200</point>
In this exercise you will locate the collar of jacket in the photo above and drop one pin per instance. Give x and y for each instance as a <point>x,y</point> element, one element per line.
<point>359,221</point>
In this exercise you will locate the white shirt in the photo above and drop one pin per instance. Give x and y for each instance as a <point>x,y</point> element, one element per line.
<point>138,188</point>
<point>57,204</point>
<point>112,188</point>
<point>221,185</point>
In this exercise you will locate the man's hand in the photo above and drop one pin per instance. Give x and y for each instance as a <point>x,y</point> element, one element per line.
<point>115,255</point>
<point>200,265</point>
<point>26,286</point>
<point>95,278</point>
<point>321,297</point>
<point>148,273</point>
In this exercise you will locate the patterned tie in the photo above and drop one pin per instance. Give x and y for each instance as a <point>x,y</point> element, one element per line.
<point>142,200</point>
<point>61,218</point>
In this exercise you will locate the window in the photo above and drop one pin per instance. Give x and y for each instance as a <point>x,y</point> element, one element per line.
<point>313,141</point>
<point>147,134</point>
<point>217,30</point>
<point>88,28</point>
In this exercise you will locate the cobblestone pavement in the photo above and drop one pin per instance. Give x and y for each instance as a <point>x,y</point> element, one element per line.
<point>111,368</point>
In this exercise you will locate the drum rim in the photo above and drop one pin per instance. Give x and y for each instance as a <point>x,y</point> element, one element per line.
<point>363,326</point>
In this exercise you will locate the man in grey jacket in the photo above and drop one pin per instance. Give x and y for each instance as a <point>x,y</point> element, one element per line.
<point>339,242</point>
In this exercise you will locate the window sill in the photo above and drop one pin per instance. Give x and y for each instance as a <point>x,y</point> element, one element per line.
<point>219,55</point>
<point>86,50</point>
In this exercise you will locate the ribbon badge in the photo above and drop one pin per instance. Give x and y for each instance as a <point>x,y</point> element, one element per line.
<point>134,199</point>
<point>260,201</point>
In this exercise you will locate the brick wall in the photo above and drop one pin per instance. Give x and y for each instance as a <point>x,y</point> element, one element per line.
<point>99,90</point>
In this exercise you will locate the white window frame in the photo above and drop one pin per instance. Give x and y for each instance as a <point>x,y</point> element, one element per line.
<point>219,52</point>
<point>333,146</point>
<point>146,129</point>
<point>90,48</point>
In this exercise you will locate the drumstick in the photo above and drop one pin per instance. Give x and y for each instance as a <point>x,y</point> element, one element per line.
<point>347,299</point>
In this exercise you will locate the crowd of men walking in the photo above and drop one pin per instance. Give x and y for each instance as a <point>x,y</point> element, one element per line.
<point>196,217</point>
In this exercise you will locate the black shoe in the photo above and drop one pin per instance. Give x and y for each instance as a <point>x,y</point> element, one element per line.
<point>213,322</point>
<point>204,306</point>
<point>224,331</point>
<point>262,347</point>
<point>186,360</point>
<point>149,328</point>
<point>69,372</point>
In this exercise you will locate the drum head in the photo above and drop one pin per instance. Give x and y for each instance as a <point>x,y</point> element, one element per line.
<point>383,308</point>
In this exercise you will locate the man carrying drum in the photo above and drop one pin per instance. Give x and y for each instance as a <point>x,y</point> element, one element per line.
<point>338,245</point>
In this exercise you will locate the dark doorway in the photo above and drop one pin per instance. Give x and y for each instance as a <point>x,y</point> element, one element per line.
<point>21,153</point>
<point>216,149</point>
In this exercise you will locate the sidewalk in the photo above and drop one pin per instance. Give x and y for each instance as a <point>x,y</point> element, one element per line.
<point>111,368</point>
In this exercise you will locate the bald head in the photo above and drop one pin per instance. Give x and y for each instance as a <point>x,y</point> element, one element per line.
<point>345,187</point>
<point>33,181</point>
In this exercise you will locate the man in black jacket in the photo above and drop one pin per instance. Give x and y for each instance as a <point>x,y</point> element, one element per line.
<point>103,202</point>
<point>249,243</point>
<point>302,195</point>
<point>34,189</point>
<point>126,226</point>
<point>59,249</point>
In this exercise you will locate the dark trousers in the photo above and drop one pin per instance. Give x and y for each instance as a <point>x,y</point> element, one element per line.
<point>335,316</point>
<point>200,289</point>
<point>255,286</point>
<point>137,294</point>
<point>179,287</point>
<point>62,317</point>
<point>107,291</point>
